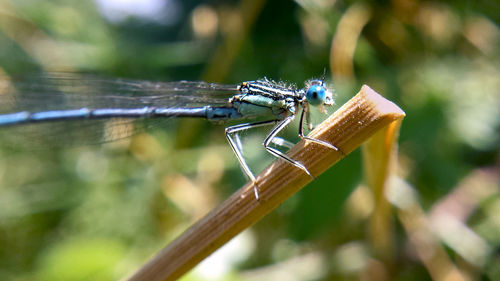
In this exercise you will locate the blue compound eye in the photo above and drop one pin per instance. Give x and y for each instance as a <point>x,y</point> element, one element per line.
<point>316,95</point>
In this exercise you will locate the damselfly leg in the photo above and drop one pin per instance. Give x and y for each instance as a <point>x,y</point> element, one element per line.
<point>234,141</point>
<point>282,142</point>
<point>302,136</point>
<point>278,153</point>
<point>237,147</point>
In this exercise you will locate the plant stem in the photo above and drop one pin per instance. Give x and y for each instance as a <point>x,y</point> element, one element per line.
<point>347,128</point>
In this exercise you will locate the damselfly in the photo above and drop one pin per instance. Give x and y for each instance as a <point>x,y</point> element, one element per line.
<point>63,97</point>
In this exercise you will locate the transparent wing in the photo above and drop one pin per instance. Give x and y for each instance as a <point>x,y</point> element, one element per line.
<point>61,91</point>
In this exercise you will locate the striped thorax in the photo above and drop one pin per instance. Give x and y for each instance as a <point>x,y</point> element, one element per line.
<point>264,97</point>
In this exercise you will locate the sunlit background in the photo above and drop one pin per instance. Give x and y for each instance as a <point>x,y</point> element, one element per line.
<point>99,212</point>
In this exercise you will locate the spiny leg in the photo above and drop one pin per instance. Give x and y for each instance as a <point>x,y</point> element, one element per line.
<point>237,140</point>
<point>282,142</point>
<point>276,140</point>
<point>278,153</point>
<point>302,136</point>
<point>237,147</point>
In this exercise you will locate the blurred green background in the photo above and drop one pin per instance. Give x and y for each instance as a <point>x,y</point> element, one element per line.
<point>99,212</point>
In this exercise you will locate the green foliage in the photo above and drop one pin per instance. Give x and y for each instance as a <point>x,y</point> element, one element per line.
<point>98,212</point>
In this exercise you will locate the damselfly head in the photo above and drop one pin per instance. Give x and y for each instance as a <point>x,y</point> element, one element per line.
<point>318,94</point>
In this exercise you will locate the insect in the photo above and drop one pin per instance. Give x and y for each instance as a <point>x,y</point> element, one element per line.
<point>274,103</point>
